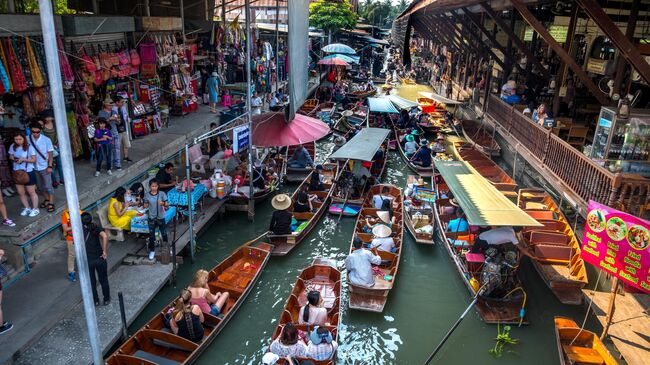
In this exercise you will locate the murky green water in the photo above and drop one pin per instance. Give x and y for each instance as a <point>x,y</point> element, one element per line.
<point>427,299</point>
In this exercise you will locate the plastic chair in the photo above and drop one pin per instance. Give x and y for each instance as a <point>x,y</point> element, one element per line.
<point>198,159</point>
<point>114,233</point>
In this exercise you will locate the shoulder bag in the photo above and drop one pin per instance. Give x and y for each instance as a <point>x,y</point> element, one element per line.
<point>20,177</point>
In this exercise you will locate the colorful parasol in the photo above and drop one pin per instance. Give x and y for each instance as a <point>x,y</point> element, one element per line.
<point>333,62</point>
<point>272,129</point>
<point>346,58</point>
<point>339,48</point>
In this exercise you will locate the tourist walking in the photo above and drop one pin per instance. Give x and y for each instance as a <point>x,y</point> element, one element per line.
<point>123,125</point>
<point>213,91</point>
<point>66,227</point>
<point>103,139</point>
<point>96,241</point>
<point>49,130</point>
<point>156,201</point>
<point>112,119</point>
<point>44,164</point>
<point>4,326</point>
<point>256,104</point>
<point>23,156</point>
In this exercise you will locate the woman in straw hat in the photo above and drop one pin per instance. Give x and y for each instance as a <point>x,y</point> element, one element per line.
<point>382,240</point>
<point>281,218</point>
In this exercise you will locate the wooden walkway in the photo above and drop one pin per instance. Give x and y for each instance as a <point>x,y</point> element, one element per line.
<point>630,327</point>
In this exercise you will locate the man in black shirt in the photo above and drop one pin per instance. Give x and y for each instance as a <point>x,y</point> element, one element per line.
<point>166,178</point>
<point>96,241</point>
<point>281,218</point>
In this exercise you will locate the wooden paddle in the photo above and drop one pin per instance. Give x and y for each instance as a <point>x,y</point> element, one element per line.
<point>256,239</point>
<point>347,194</point>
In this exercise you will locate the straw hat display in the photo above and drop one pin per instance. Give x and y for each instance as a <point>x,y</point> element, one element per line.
<point>384,216</point>
<point>281,202</point>
<point>381,231</point>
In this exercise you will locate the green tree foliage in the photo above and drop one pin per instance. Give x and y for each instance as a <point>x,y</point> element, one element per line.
<point>332,15</point>
<point>31,6</point>
<point>381,12</point>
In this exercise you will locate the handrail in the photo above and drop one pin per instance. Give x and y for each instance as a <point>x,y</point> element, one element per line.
<point>584,177</point>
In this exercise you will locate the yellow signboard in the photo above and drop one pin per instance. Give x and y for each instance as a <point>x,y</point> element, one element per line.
<point>558,32</point>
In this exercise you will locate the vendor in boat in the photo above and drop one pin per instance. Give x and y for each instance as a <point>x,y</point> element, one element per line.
<point>458,224</point>
<point>410,146</point>
<point>384,218</point>
<point>187,319</point>
<point>382,240</point>
<point>302,203</point>
<point>439,146</point>
<point>313,313</point>
<point>289,342</point>
<point>494,236</point>
<point>321,344</point>
<point>281,218</point>
<point>404,119</point>
<point>339,141</point>
<point>359,265</point>
<point>378,158</point>
<point>259,172</point>
<point>423,157</point>
<point>202,297</point>
<point>300,159</point>
<point>317,180</point>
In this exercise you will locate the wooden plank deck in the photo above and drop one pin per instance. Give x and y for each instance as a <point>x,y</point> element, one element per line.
<point>630,327</point>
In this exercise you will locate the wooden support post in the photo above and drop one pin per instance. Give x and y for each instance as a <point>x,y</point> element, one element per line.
<point>624,45</point>
<point>567,48</point>
<point>433,29</point>
<point>629,34</point>
<point>511,34</point>
<point>610,308</point>
<point>566,58</point>
<point>510,62</point>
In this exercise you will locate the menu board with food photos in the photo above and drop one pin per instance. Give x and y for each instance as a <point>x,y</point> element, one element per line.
<point>618,243</point>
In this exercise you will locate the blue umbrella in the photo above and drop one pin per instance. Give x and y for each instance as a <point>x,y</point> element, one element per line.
<point>339,48</point>
<point>348,59</point>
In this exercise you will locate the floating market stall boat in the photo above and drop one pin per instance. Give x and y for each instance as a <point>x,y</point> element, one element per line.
<point>306,221</point>
<point>553,248</point>
<point>374,298</point>
<point>309,107</point>
<point>238,201</point>
<point>298,174</point>
<point>324,111</point>
<point>488,168</point>
<point>422,171</point>
<point>323,277</point>
<point>483,141</point>
<point>362,94</point>
<point>418,210</point>
<point>576,345</point>
<point>154,343</point>
<point>427,105</point>
<point>491,276</point>
<point>362,148</point>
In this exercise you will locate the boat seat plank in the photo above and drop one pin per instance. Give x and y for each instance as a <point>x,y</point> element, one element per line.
<point>305,216</point>
<point>154,358</point>
<point>555,252</point>
<point>583,355</point>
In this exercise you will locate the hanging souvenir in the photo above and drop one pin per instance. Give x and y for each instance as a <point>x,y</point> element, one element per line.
<point>37,76</point>
<point>23,62</point>
<point>148,52</point>
<point>66,69</point>
<point>135,57</point>
<point>18,81</point>
<point>6,85</point>
<point>4,61</point>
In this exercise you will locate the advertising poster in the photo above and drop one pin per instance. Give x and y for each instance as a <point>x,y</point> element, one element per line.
<point>618,243</point>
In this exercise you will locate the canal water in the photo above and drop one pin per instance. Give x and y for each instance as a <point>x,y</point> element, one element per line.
<point>427,299</point>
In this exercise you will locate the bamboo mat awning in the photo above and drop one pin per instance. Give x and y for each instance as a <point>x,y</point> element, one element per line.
<point>481,202</point>
<point>363,146</point>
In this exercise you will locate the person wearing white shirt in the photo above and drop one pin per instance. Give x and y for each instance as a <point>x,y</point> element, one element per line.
<point>123,127</point>
<point>359,265</point>
<point>382,240</point>
<point>256,104</point>
<point>44,165</point>
<point>494,236</point>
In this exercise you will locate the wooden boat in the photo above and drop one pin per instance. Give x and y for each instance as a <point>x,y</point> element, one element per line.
<point>480,138</point>
<point>554,248</point>
<point>308,107</point>
<point>239,203</point>
<point>374,299</point>
<point>362,94</point>
<point>298,174</point>
<point>502,305</point>
<point>579,346</point>
<point>324,111</point>
<point>427,105</point>
<point>416,217</point>
<point>488,168</point>
<point>285,243</point>
<point>422,171</point>
<point>323,276</point>
<point>408,81</point>
<point>154,343</point>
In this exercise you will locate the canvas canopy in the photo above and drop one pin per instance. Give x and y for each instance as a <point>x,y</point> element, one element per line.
<point>363,146</point>
<point>481,202</point>
<point>400,102</point>
<point>381,105</point>
<point>439,98</point>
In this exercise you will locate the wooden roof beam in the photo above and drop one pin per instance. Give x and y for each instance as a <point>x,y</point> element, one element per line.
<point>431,32</point>
<point>444,36</point>
<point>624,45</point>
<point>515,39</point>
<point>448,33</point>
<point>557,48</point>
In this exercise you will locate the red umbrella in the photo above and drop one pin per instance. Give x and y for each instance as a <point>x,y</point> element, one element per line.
<point>271,130</point>
<point>333,62</point>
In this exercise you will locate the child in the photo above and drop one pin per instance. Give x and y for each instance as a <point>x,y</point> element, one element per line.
<point>103,139</point>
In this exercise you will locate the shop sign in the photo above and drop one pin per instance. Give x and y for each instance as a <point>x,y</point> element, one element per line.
<point>558,32</point>
<point>241,138</point>
<point>619,244</point>
<point>528,33</point>
<point>597,66</point>
<point>154,23</point>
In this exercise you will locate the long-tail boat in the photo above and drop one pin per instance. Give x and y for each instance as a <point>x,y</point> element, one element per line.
<point>500,298</point>
<point>154,343</point>
<point>576,345</point>
<point>422,171</point>
<point>417,217</point>
<point>361,94</point>
<point>307,220</point>
<point>239,202</point>
<point>298,174</point>
<point>308,107</point>
<point>359,149</point>
<point>322,276</point>
<point>480,138</point>
<point>488,168</point>
<point>374,298</point>
<point>553,248</point>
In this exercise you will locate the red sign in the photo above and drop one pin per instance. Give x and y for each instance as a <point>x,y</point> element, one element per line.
<point>618,243</point>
